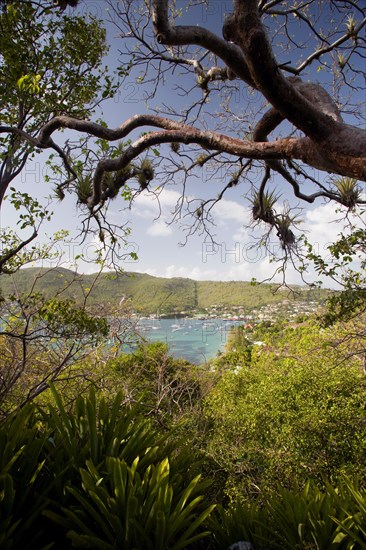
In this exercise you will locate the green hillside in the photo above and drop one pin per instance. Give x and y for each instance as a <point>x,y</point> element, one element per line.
<point>236,293</point>
<point>144,293</point>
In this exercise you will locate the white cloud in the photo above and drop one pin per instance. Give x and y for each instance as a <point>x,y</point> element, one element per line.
<point>159,229</point>
<point>321,224</point>
<point>226,210</point>
<point>242,235</point>
<point>324,225</point>
<point>147,205</point>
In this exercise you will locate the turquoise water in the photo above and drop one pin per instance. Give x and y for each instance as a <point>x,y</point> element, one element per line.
<point>193,339</point>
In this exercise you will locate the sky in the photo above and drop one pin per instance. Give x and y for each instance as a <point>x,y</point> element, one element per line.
<point>156,241</point>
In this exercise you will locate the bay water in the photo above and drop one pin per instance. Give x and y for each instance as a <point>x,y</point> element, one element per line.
<point>196,340</point>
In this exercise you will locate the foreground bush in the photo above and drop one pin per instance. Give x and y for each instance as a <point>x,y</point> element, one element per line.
<point>95,477</point>
<point>295,411</point>
<point>302,519</point>
<point>101,477</point>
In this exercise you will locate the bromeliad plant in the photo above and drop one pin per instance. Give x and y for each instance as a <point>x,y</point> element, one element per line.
<point>23,492</point>
<point>307,518</point>
<point>95,476</point>
<point>124,490</point>
<point>120,506</point>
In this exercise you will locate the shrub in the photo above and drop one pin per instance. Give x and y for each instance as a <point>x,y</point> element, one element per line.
<point>98,476</point>
<point>307,518</point>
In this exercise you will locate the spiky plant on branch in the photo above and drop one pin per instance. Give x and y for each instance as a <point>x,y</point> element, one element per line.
<point>349,191</point>
<point>263,205</point>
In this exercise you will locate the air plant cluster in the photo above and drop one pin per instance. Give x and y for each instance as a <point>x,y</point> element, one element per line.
<point>348,191</point>
<point>112,182</point>
<point>263,210</point>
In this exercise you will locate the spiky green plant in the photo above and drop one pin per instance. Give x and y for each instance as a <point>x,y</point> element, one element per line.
<point>263,206</point>
<point>307,518</point>
<point>108,184</point>
<point>175,146</point>
<point>83,188</point>
<point>351,25</point>
<point>234,180</point>
<point>201,159</point>
<point>48,463</point>
<point>283,223</point>
<point>354,522</point>
<point>240,522</point>
<point>59,193</point>
<point>302,518</point>
<point>23,485</point>
<point>124,506</point>
<point>95,430</point>
<point>348,191</point>
<point>145,173</point>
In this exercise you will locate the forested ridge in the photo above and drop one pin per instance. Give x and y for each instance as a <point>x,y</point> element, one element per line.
<point>146,294</point>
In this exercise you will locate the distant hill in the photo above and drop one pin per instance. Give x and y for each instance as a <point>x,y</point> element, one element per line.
<point>146,294</point>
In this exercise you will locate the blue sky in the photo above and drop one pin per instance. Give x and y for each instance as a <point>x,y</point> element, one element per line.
<point>153,237</point>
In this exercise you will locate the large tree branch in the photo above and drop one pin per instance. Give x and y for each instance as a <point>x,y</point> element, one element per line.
<point>280,149</point>
<point>302,149</point>
<point>307,106</point>
<point>185,35</point>
<point>251,36</point>
<point>337,162</point>
<point>285,149</point>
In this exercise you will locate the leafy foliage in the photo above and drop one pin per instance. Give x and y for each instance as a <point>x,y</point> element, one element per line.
<point>102,473</point>
<point>61,76</point>
<point>167,389</point>
<point>346,265</point>
<point>293,412</point>
<point>46,70</point>
<point>42,340</point>
<point>307,518</point>
<point>14,252</point>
